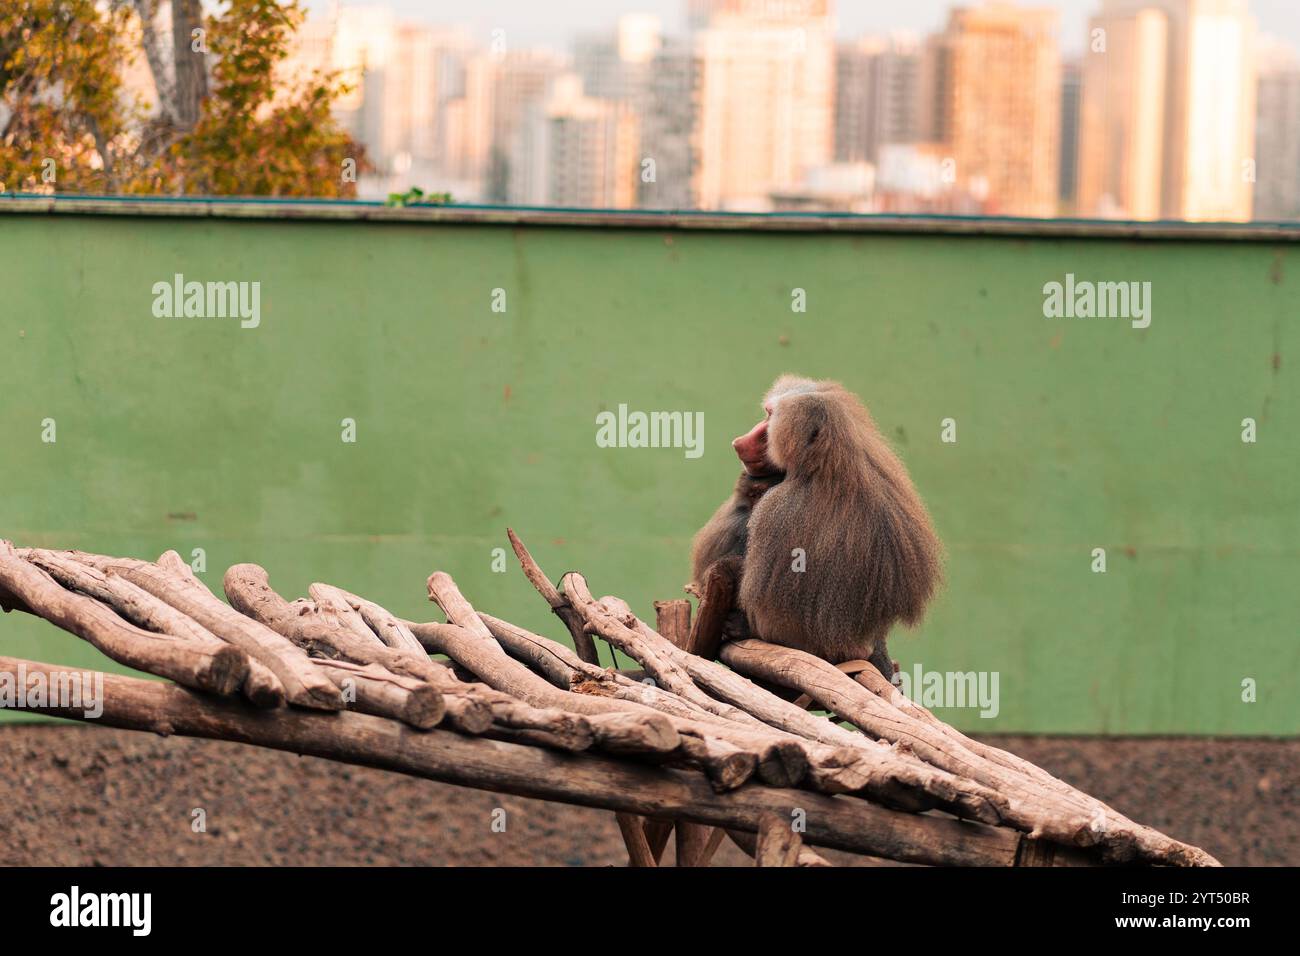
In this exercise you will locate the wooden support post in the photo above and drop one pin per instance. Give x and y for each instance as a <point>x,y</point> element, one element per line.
<point>778,844</point>
<point>673,621</point>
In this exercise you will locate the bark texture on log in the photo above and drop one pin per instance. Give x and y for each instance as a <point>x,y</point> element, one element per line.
<point>583,645</point>
<point>584,779</point>
<point>303,684</point>
<point>1066,817</point>
<point>201,665</point>
<point>699,733</point>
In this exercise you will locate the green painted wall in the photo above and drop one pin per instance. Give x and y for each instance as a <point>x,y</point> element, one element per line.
<point>1072,433</point>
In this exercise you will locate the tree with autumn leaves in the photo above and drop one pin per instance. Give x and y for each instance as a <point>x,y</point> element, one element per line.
<point>221,124</point>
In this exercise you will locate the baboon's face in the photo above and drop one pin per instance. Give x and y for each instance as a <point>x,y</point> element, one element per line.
<point>751,447</point>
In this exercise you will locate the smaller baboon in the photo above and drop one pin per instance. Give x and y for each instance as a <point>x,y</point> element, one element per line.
<point>835,542</point>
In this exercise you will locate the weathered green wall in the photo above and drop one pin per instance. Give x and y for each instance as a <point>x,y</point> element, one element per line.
<point>1072,434</point>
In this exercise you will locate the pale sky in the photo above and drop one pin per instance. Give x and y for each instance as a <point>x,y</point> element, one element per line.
<point>554,22</point>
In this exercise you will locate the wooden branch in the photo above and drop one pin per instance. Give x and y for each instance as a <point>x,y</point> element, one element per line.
<point>332,599</point>
<point>371,689</point>
<point>1071,819</point>
<point>727,752</point>
<point>778,844</point>
<point>1122,840</point>
<point>887,775</point>
<point>584,779</point>
<point>324,633</point>
<point>582,642</point>
<point>466,639</point>
<point>541,726</point>
<point>384,625</point>
<point>215,669</point>
<point>783,757</point>
<point>131,602</point>
<point>303,684</point>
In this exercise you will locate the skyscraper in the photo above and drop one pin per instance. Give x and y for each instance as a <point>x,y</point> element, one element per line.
<point>668,129</point>
<point>500,89</point>
<point>1122,122</point>
<point>1071,88</point>
<point>992,97</point>
<point>575,150</point>
<point>1277,135</point>
<point>764,98</point>
<point>1196,126</point>
<point>877,96</point>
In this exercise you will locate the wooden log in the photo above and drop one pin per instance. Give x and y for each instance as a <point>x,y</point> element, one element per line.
<point>638,850</point>
<point>1067,818</point>
<point>467,640</point>
<point>777,844</point>
<point>303,684</point>
<point>391,630</point>
<point>673,620</point>
<point>717,599</point>
<point>330,598</point>
<point>783,758</point>
<point>887,775</point>
<point>385,626</point>
<point>692,839</point>
<point>173,562</point>
<point>540,726</point>
<point>727,752</point>
<point>471,708</point>
<point>217,670</point>
<point>585,779</point>
<point>583,645</point>
<point>1122,840</point>
<point>371,689</point>
<point>618,727</point>
<point>131,602</point>
<point>323,633</point>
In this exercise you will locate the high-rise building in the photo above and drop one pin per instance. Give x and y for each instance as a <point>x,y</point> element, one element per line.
<point>993,98</point>
<point>575,150</point>
<point>500,90</point>
<point>668,157</point>
<point>1068,179</point>
<point>877,96</point>
<point>400,77</point>
<point>764,97</point>
<point>621,68</point>
<point>1277,135</point>
<point>616,66</point>
<point>1122,115</point>
<point>1169,85</point>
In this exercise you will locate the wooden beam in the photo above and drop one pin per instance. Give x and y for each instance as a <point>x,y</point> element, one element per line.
<point>585,779</point>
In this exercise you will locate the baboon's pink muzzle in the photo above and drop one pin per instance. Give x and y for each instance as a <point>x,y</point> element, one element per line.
<point>752,448</point>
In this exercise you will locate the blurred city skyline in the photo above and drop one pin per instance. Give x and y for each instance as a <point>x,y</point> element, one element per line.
<point>556,24</point>
<point>1171,109</point>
